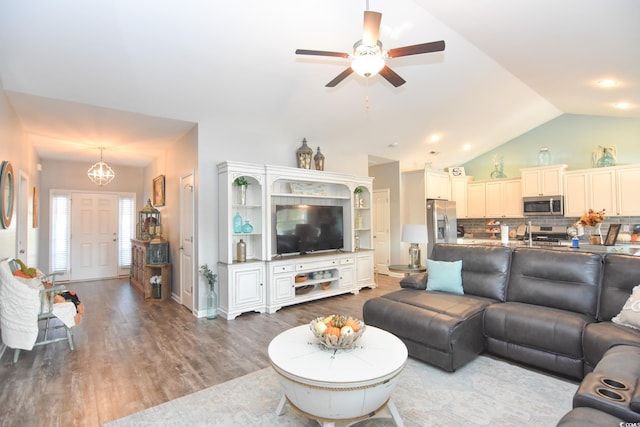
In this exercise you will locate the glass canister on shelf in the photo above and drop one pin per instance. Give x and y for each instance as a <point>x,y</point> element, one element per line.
<point>241,251</point>
<point>544,156</point>
<point>237,223</point>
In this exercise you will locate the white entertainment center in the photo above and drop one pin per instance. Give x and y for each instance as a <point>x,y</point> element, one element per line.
<point>268,281</point>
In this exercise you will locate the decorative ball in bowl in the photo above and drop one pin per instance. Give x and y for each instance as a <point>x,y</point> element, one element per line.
<point>337,331</point>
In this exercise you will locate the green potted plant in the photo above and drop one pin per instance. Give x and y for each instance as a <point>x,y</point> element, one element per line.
<point>242,183</point>
<point>358,200</point>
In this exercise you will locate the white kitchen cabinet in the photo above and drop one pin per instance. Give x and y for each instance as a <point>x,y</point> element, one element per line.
<point>437,185</point>
<point>628,181</point>
<point>543,181</point>
<point>459,194</point>
<point>476,200</point>
<point>596,189</point>
<point>503,199</point>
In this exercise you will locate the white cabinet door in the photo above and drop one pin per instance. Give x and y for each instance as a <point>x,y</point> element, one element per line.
<point>459,195</point>
<point>493,198</point>
<point>577,191</point>
<point>437,185</point>
<point>543,181</point>
<point>628,182</point>
<point>503,199</point>
<point>347,276</point>
<point>603,191</point>
<point>476,200</point>
<point>364,269</point>
<point>512,199</point>
<point>247,289</point>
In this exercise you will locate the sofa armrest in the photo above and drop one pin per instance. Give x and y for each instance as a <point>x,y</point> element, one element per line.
<point>414,281</point>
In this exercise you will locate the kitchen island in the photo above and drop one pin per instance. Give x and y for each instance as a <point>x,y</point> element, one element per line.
<point>631,249</point>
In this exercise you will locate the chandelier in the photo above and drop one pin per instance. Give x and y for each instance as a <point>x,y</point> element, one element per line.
<point>100,173</point>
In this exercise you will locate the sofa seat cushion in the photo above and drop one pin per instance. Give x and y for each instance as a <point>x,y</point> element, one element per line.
<point>548,329</point>
<point>439,328</point>
<point>588,417</point>
<point>600,337</point>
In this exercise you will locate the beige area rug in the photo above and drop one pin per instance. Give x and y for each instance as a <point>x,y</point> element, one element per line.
<point>485,392</point>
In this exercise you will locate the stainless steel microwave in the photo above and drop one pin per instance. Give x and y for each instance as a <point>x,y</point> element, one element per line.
<point>543,205</point>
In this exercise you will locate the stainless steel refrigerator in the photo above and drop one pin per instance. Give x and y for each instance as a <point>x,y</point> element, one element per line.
<point>441,223</point>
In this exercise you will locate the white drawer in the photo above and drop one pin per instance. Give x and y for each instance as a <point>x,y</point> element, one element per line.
<point>316,265</point>
<point>283,268</point>
<point>347,261</point>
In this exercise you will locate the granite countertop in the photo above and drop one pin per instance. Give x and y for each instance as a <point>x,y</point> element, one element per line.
<point>633,249</point>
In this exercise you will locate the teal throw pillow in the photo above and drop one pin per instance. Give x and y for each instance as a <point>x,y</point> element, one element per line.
<point>445,276</point>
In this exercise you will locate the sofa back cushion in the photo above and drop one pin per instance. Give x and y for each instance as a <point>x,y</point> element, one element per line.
<point>556,278</point>
<point>621,274</point>
<point>485,269</point>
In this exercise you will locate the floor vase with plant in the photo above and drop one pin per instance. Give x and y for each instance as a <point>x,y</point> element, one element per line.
<point>212,298</point>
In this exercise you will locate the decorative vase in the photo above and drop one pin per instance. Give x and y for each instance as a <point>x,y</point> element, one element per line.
<point>304,154</point>
<point>544,157</point>
<point>247,227</point>
<point>596,236</point>
<point>212,302</point>
<point>241,251</point>
<point>242,194</point>
<point>237,223</point>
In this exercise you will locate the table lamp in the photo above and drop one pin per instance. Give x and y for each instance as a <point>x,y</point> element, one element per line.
<point>414,234</point>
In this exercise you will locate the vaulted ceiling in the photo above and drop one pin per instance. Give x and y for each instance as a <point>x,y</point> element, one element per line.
<point>135,76</point>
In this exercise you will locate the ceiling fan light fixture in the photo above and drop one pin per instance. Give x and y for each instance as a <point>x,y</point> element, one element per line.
<point>367,60</point>
<point>367,65</point>
<point>101,173</point>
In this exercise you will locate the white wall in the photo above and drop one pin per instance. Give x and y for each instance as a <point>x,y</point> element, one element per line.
<point>15,148</point>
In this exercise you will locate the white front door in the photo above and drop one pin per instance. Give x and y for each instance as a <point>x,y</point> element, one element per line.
<point>381,233</point>
<point>186,266</point>
<point>94,236</point>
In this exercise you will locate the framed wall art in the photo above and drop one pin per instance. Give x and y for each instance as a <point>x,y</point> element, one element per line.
<point>612,235</point>
<point>7,193</point>
<point>158,191</point>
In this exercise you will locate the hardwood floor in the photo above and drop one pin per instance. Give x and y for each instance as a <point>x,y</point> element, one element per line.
<point>131,354</point>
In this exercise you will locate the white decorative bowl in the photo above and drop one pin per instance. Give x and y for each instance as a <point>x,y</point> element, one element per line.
<point>331,341</point>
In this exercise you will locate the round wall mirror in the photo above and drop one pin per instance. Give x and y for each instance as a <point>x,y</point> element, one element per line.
<point>7,194</point>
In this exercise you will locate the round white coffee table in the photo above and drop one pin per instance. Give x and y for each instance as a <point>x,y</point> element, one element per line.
<point>338,386</point>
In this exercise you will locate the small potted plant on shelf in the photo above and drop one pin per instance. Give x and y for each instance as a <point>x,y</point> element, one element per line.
<point>358,200</point>
<point>242,183</point>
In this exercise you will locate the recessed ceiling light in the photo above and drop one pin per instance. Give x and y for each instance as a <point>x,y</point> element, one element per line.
<point>435,137</point>
<point>623,105</point>
<point>467,147</point>
<point>393,144</point>
<point>607,83</point>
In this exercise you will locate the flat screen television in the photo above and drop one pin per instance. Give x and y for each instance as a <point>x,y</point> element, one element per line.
<point>307,228</point>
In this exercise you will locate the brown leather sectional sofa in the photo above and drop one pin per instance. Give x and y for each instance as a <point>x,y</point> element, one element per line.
<point>545,308</point>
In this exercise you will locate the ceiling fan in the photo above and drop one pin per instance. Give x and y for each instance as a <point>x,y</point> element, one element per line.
<point>368,57</point>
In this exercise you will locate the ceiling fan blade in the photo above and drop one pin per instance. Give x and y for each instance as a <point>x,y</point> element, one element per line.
<point>321,53</point>
<point>340,77</point>
<point>392,77</point>
<point>417,49</point>
<point>371,28</point>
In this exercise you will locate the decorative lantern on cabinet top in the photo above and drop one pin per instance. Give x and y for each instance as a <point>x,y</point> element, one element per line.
<point>148,222</point>
<point>305,155</point>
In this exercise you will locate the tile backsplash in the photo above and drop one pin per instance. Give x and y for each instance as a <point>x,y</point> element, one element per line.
<point>478,227</point>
